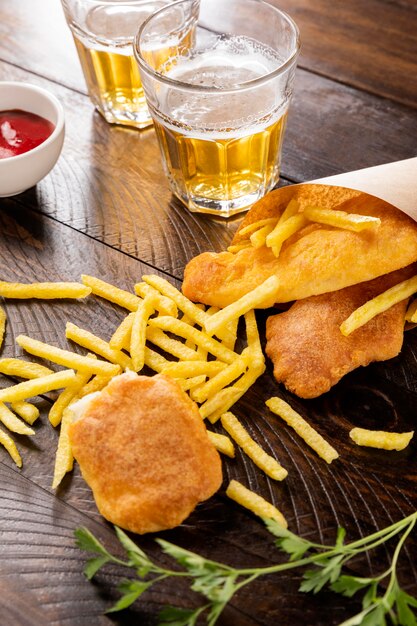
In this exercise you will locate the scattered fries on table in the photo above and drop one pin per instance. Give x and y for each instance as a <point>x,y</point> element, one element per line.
<point>43,291</point>
<point>381,439</point>
<point>303,429</point>
<point>240,435</point>
<point>165,332</point>
<point>255,503</point>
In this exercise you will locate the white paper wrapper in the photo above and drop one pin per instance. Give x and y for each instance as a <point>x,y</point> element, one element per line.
<point>395,183</point>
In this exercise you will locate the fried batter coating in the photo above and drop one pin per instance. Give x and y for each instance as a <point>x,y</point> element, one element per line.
<point>144,451</point>
<point>317,259</point>
<point>309,352</point>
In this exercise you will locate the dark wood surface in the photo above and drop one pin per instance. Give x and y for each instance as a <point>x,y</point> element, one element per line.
<point>106,210</point>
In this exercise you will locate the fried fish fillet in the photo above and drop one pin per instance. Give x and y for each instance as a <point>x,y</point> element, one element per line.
<point>309,352</point>
<point>317,259</point>
<point>144,451</point>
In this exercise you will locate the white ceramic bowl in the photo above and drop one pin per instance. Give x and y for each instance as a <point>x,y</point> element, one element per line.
<point>18,173</point>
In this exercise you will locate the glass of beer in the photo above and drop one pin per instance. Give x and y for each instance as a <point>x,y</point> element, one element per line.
<point>219,104</point>
<point>103,32</point>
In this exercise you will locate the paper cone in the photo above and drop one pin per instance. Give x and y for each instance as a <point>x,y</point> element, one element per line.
<point>395,183</point>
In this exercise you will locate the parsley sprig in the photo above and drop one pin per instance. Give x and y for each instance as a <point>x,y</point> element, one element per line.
<point>383,602</point>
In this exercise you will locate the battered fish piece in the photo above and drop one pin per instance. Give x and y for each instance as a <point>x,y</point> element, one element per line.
<point>309,352</point>
<point>144,451</point>
<point>317,259</point>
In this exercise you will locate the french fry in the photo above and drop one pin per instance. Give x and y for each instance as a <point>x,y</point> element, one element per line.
<point>66,358</point>
<point>381,439</point>
<point>379,304</point>
<point>202,352</point>
<point>240,435</point>
<point>27,411</point>
<point>188,342</point>
<point>223,400</point>
<point>109,292</point>
<point>194,311</point>
<point>303,429</point>
<point>2,324</point>
<point>222,444</point>
<point>121,337</point>
<point>255,503</point>
<point>95,344</point>
<point>67,396</point>
<point>200,338</point>
<point>155,361</point>
<point>163,304</point>
<point>250,228</point>
<point>284,231</point>
<point>230,340</point>
<point>12,422</point>
<point>188,383</point>
<point>64,459</point>
<point>31,388</point>
<point>43,291</point>
<point>185,369</point>
<point>262,296</point>
<point>23,369</point>
<point>411,314</point>
<point>183,303</point>
<point>254,343</point>
<point>291,209</point>
<point>97,383</point>
<point>221,380</point>
<point>138,333</point>
<point>341,219</point>
<point>258,238</point>
<point>172,346</point>
<point>10,446</point>
<point>237,247</point>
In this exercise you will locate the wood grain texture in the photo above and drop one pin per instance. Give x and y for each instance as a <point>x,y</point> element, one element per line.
<point>369,45</point>
<point>363,490</point>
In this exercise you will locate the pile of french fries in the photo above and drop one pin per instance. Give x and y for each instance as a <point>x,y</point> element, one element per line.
<point>166,333</point>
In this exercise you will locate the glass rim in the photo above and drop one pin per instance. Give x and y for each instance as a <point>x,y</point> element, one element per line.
<point>217,90</point>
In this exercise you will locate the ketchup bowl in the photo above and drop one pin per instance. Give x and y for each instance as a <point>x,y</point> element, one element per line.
<point>29,115</point>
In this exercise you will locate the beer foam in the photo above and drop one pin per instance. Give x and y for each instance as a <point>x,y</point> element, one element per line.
<point>231,62</point>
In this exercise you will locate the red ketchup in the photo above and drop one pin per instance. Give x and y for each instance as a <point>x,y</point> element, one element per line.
<point>21,131</point>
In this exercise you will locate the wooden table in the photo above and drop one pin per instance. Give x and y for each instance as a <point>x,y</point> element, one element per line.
<point>106,210</point>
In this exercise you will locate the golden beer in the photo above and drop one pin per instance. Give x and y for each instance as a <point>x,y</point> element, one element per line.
<point>114,85</point>
<point>221,152</point>
<point>206,169</point>
<point>103,37</point>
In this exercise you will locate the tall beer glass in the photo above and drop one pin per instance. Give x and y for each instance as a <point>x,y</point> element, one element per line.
<point>219,104</point>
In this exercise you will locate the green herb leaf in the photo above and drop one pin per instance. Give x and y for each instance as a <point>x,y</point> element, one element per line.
<point>372,616</point>
<point>94,564</point>
<point>131,590</point>
<point>290,543</point>
<point>85,540</point>
<point>137,557</point>
<point>349,585</point>
<point>219,582</point>
<point>327,572</point>
<point>403,604</point>
<point>172,616</point>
